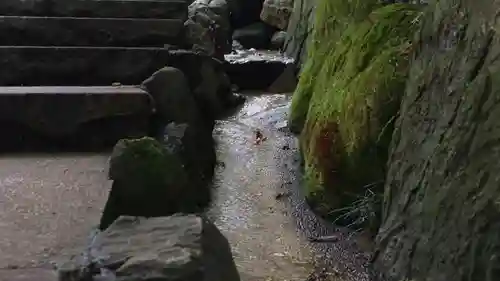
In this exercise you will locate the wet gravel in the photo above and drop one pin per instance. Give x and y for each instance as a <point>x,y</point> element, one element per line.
<point>272,169</point>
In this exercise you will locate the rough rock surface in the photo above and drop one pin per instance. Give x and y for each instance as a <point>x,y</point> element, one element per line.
<point>148,180</point>
<point>179,247</point>
<point>177,103</point>
<point>277,12</point>
<point>207,80</point>
<point>440,219</point>
<point>208,27</point>
<point>172,96</point>
<point>299,28</point>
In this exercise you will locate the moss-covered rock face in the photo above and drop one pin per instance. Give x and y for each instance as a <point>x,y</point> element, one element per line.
<point>330,20</point>
<point>148,180</point>
<point>442,194</point>
<point>348,96</point>
<point>146,163</point>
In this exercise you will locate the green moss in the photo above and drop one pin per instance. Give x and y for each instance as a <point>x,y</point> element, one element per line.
<point>331,19</point>
<point>146,163</point>
<point>347,97</point>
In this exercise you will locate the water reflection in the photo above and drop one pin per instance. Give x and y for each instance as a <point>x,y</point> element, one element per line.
<point>268,236</point>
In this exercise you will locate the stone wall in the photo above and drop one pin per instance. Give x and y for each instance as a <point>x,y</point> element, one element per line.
<point>299,28</point>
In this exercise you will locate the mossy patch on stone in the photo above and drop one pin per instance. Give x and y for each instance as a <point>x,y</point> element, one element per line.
<point>330,21</point>
<point>348,96</point>
<point>149,180</point>
<point>146,163</point>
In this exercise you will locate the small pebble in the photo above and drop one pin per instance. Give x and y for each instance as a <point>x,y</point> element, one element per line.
<point>281,195</point>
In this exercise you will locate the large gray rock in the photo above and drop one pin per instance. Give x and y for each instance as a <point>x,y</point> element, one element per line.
<point>277,12</point>
<point>149,180</point>
<point>208,27</point>
<point>172,95</point>
<point>175,248</point>
<point>160,177</point>
<point>207,79</point>
<point>179,103</point>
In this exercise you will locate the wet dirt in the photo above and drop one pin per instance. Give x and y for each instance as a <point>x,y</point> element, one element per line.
<point>48,203</point>
<point>259,226</point>
<point>260,207</point>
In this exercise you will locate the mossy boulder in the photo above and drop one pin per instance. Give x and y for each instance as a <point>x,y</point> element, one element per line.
<point>347,98</point>
<point>189,94</point>
<point>150,180</point>
<point>145,161</point>
<point>330,20</point>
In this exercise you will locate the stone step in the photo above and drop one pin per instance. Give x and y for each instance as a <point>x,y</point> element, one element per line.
<point>79,66</point>
<point>164,9</point>
<point>91,113</point>
<point>72,105</point>
<point>60,31</point>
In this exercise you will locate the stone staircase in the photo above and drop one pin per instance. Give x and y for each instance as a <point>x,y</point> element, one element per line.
<point>88,49</point>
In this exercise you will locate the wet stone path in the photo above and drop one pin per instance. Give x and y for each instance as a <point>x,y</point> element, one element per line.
<point>260,207</point>
<point>250,206</point>
<point>51,203</point>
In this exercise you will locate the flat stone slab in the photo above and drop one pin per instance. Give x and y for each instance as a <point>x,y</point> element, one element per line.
<point>79,66</point>
<point>175,248</point>
<point>58,111</point>
<point>70,31</point>
<point>163,9</point>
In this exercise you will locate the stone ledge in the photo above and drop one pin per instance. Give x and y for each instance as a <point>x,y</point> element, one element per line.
<point>70,31</point>
<point>79,104</point>
<point>79,66</point>
<point>164,9</point>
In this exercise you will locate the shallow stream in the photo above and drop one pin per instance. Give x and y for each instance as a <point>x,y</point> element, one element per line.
<point>50,203</point>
